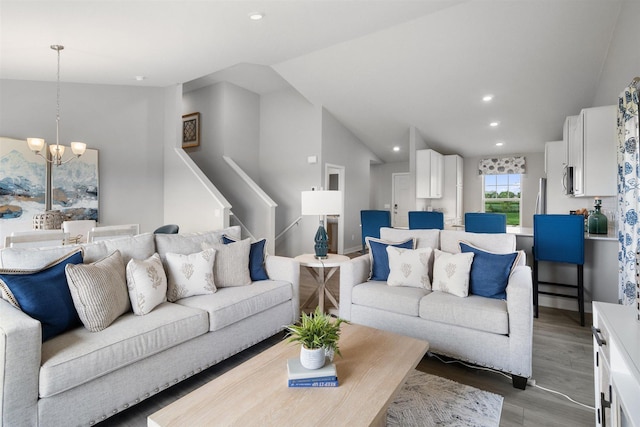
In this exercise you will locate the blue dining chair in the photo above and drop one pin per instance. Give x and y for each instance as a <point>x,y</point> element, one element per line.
<point>371,222</point>
<point>482,222</point>
<point>559,238</point>
<point>426,219</point>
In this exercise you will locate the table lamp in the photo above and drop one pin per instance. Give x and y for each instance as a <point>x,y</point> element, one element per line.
<point>328,202</point>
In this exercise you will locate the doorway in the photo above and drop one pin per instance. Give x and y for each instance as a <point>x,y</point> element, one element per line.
<point>334,180</point>
<point>400,199</point>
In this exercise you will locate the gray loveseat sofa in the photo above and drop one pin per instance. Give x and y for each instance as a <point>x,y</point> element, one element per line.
<point>81,377</point>
<point>495,333</point>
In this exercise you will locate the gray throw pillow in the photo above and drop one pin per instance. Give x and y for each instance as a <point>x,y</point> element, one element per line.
<point>231,267</point>
<point>99,291</point>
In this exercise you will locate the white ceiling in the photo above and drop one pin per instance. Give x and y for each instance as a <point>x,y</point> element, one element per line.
<point>378,66</point>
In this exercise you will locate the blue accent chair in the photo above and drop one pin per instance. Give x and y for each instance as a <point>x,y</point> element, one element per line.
<point>559,238</point>
<point>167,229</point>
<point>371,222</point>
<point>481,222</point>
<point>425,219</point>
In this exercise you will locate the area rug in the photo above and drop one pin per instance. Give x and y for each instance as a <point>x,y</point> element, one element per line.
<point>429,400</point>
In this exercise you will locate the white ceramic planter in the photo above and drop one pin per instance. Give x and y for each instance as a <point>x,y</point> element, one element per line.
<point>312,359</point>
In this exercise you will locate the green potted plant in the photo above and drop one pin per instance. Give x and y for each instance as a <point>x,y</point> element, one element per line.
<point>319,334</point>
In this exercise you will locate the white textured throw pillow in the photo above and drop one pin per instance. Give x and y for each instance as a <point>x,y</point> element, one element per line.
<point>232,263</point>
<point>451,272</point>
<point>99,291</point>
<point>409,267</point>
<point>147,284</point>
<point>189,275</point>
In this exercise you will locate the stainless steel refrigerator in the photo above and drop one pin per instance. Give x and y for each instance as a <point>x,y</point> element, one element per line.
<point>541,198</point>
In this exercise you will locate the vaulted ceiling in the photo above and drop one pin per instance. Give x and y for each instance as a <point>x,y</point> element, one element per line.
<point>379,67</point>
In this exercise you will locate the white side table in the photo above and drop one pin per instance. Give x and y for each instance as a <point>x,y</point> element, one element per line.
<point>317,268</point>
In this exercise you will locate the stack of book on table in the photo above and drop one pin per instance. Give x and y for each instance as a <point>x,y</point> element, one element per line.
<point>299,376</point>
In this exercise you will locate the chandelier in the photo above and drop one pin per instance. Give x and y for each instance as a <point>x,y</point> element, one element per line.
<point>57,151</point>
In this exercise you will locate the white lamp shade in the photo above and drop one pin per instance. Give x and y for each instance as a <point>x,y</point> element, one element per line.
<point>322,202</point>
<point>35,144</point>
<point>78,148</point>
<point>56,150</point>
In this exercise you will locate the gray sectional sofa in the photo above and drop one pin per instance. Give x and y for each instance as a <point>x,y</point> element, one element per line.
<point>495,333</point>
<point>81,377</point>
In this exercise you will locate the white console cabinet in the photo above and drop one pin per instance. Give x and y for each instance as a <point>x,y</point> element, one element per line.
<point>429,174</point>
<point>616,352</point>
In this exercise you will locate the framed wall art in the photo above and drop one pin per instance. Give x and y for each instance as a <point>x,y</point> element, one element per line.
<point>191,130</point>
<point>75,187</point>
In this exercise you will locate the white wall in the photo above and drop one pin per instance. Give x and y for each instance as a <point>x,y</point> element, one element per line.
<point>623,57</point>
<point>341,147</point>
<point>124,123</point>
<point>290,131</point>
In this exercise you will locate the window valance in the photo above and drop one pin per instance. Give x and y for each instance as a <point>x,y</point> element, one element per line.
<point>502,165</point>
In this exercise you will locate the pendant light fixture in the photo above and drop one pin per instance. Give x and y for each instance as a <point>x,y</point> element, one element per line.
<point>57,151</point>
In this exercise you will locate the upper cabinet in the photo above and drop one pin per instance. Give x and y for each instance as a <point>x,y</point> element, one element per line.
<point>590,140</point>
<point>429,174</point>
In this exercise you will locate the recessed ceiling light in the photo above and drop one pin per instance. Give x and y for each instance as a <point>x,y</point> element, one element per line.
<point>499,144</point>
<point>396,148</point>
<point>487,98</point>
<point>256,16</point>
<point>141,78</point>
<point>494,124</point>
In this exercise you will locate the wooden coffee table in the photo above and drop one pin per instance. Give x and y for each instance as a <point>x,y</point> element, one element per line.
<point>374,366</point>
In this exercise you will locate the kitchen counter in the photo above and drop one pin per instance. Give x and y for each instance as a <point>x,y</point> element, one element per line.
<point>528,232</point>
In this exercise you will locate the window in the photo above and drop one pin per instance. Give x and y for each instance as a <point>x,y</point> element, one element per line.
<point>502,194</point>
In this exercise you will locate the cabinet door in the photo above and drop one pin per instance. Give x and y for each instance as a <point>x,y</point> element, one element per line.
<point>600,163</point>
<point>428,174</point>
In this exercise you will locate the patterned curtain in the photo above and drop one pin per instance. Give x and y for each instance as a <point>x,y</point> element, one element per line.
<point>628,194</point>
<point>501,165</point>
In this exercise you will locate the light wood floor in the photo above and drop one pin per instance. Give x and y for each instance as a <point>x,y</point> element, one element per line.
<point>562,361</point>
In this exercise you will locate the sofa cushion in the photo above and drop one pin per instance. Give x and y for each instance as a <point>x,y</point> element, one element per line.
<point>257,254</point>
<point>99,291</point>
<point>44,294</point>
<point>231,267</point>
<point>80,356</point>
<point>147,284</point>
<point>141,246</point>
<point>189,243</point>
<point>489,272</point>
<point>379,260</point>
<point>189,275</point>
<point>230,305</point>
<point>451,272</point>
<point>409,267</point>
<point>425,238</point>
<point>499,243</point>
<point>396,299</point>
<point>37,258</point>
<point>473,312</point>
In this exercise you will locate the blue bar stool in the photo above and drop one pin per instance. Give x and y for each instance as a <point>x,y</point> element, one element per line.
<point>371,222</point>
<point>559,238</point>
<point>425,219</point>
<point>481,222</point>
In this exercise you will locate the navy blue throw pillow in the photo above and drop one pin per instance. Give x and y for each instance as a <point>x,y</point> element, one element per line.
<point>44,295</point>
<point>379,257</point>
<point>257,270</point>
<point>490,272</point>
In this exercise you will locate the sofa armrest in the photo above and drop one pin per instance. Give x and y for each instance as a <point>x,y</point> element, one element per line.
<point>287,270</point>
<point>352,273</point>
<point>20,355</point>
<point>520,308</point>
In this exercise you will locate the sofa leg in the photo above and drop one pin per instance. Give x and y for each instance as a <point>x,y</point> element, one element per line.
<point>519,382</point>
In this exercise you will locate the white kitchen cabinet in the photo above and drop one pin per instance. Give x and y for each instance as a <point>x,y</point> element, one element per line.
<point>592,152</point>
<point>616,356</point>
<point>451,202</point>
<point>429,174</point>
